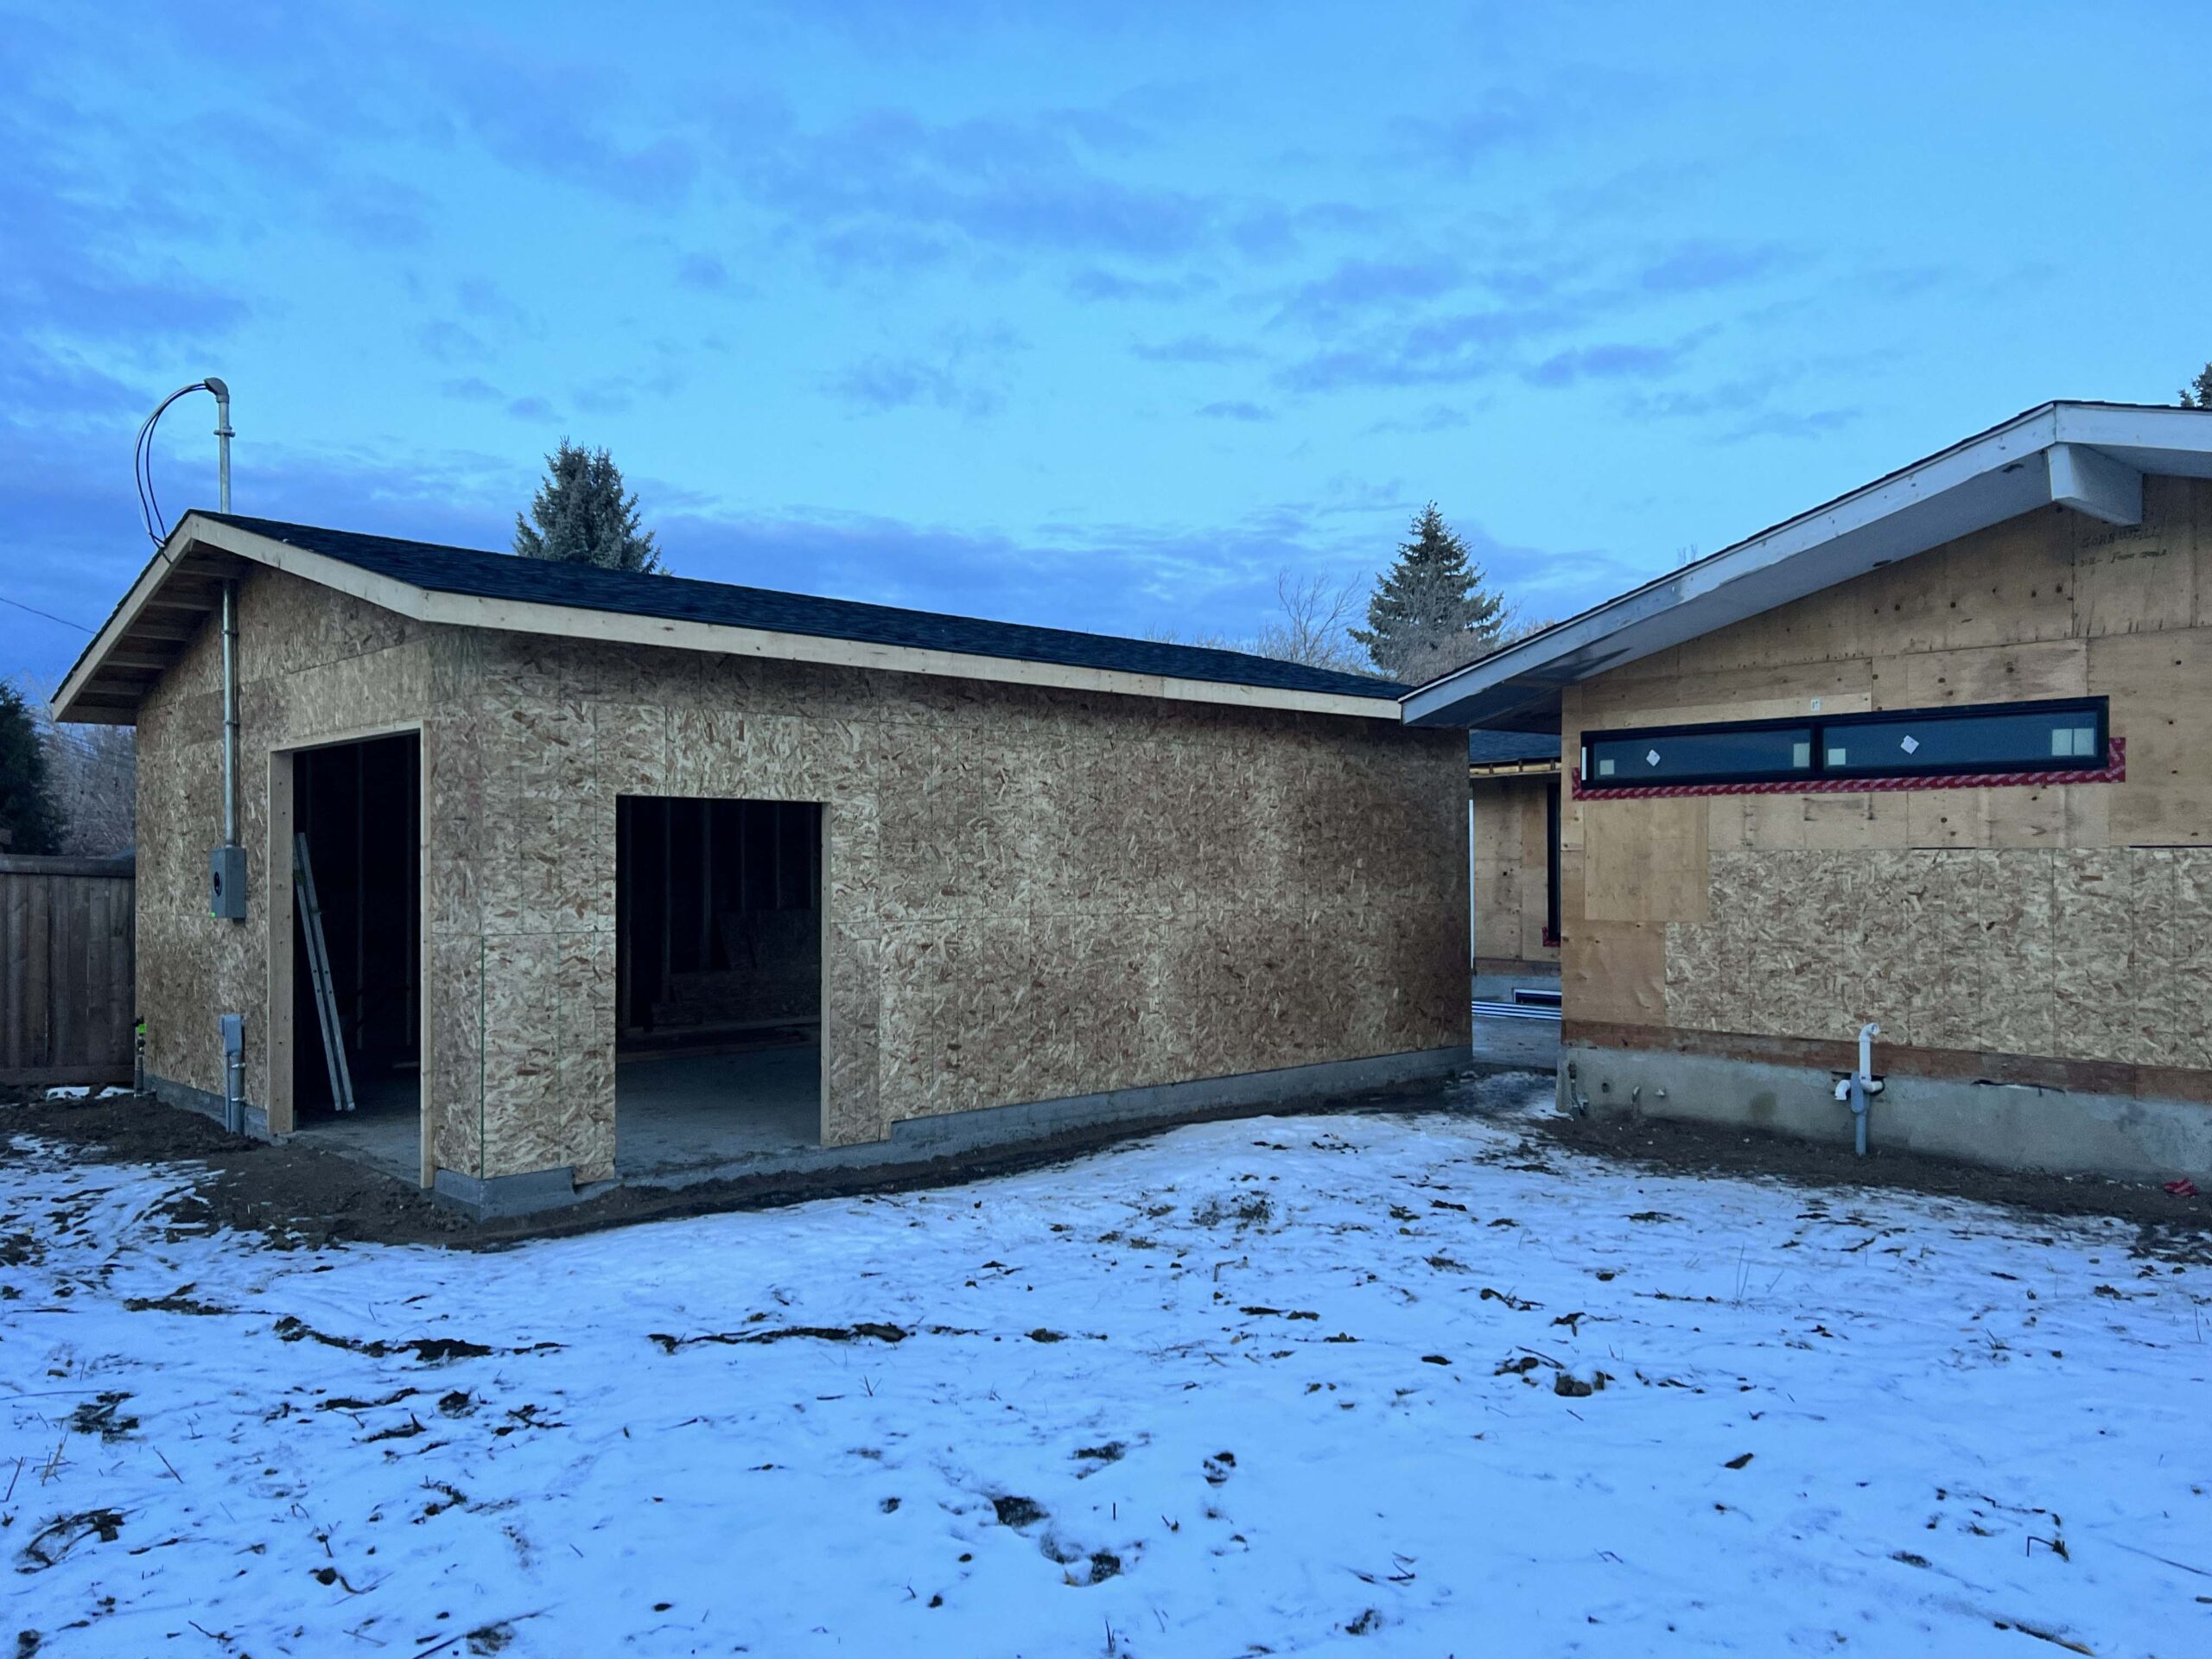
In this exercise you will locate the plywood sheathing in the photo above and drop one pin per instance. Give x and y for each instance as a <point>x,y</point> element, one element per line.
<point>321,667</point>
<point>1032,893</point>
<point>2071,922</point>
<point>1511,863</point>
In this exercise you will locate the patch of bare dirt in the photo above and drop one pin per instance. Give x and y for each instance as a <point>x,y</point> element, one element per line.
<point>296,1194</point>
<point>301,1196</point>
<point>2170,1228</point>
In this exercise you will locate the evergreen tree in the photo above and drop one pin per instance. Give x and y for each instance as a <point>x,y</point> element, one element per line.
<point>1432,611</point>
<point>28,823</point>
<point>2198,394</point>
<point>583,516</point>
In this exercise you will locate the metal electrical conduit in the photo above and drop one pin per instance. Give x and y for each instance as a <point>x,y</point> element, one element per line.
<point>142,463</point>
<point>227,865</point>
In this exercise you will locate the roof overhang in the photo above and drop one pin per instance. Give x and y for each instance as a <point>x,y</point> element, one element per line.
<point>2090,457</point>
<point>1479,770</point>
<point>183,584</point>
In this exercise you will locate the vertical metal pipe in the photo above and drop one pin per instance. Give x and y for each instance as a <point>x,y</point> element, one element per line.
<point>230,714</point>
<point>223,436</point>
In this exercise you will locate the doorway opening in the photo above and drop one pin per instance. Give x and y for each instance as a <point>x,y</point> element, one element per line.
<point>718,982</point>
<point>357,949</point>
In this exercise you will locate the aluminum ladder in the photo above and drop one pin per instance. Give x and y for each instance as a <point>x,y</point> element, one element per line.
<point>326,1002</point>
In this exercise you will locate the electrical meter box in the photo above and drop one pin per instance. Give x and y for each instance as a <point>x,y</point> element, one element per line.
<point>227,883</point>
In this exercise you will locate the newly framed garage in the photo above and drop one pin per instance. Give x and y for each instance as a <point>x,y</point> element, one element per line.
<point>633,877</point>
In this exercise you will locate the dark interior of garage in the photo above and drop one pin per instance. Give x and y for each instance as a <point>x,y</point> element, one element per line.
<point>355,809</point>
<point>718,965</point>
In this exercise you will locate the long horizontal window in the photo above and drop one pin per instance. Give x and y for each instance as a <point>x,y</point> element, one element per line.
<point>2058,736</point>
<point>1694,755</point>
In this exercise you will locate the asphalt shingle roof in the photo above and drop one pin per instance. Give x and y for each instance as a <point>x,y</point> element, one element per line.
<point>502,575</point>
<point>1489,749</point>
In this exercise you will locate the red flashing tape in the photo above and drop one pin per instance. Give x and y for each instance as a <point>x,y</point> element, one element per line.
<point>2114,771</point>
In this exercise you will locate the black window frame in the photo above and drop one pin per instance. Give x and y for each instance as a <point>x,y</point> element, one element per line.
<point>1820,725</point>
<point>1551,860</point>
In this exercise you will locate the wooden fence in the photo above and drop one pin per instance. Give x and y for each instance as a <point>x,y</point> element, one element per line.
<point>67,986</point>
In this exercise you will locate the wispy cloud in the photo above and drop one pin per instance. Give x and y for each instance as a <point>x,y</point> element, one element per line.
<point>1792,424</point>
<point>1501,119</point>
<point>1435,417</point>
<point>1609,362</point>
<point>445,341</point>
<point>1095,282</point>
<point>1207,349</point>
<point>1453,347</point>
<point>1357,287</point>
<point>890,187</point>
<point>704,272</point>
<point>1234,410</point>
<point>1697,267</point>
<point>963,375</point>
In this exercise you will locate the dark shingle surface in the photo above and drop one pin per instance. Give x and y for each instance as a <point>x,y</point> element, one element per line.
<point>1488,748</point>
<point>502,575</point>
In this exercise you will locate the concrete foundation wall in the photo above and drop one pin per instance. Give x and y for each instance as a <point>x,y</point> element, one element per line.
<point>1032,893</point>
<point>2007,1125</point>
<point>916,1142</point>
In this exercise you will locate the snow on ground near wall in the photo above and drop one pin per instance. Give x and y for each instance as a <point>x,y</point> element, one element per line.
<point>1285,1386</point>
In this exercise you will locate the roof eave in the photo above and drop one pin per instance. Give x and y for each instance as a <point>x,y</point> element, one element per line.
<point>2088,457</point>
<point>208,543</point>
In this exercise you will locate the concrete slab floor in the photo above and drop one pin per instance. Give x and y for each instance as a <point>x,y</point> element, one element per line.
<point>385,1129</point>
<point>679,1112</point>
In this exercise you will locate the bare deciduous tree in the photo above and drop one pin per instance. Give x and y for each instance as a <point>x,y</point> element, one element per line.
<point>1311,628</point>
<point>92,773</point>
<point>1519,627</point>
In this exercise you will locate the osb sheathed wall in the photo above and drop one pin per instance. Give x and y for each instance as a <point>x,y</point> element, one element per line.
<point>1512,872</point>
<point>315,666</point>
<point>2072,922</point>
<point>1033,894</point>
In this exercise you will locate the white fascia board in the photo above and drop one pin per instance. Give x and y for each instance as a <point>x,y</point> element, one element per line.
<point>2133,433</point>
<point>465,610</point>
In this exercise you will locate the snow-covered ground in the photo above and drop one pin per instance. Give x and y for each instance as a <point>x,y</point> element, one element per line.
<point>1285,1386</point>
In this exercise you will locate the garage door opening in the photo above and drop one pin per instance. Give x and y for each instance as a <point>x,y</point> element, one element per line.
<point>356,875</point>
<point>718,967</point>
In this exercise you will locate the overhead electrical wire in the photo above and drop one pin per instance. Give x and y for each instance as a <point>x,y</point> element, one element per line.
<point>141,464</point>
<point>49,615</point>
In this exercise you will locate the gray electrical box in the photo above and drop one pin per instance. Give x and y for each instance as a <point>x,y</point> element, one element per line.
<point>227,883</point>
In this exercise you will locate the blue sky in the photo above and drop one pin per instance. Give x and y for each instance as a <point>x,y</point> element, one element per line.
<point>1096,316</point>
